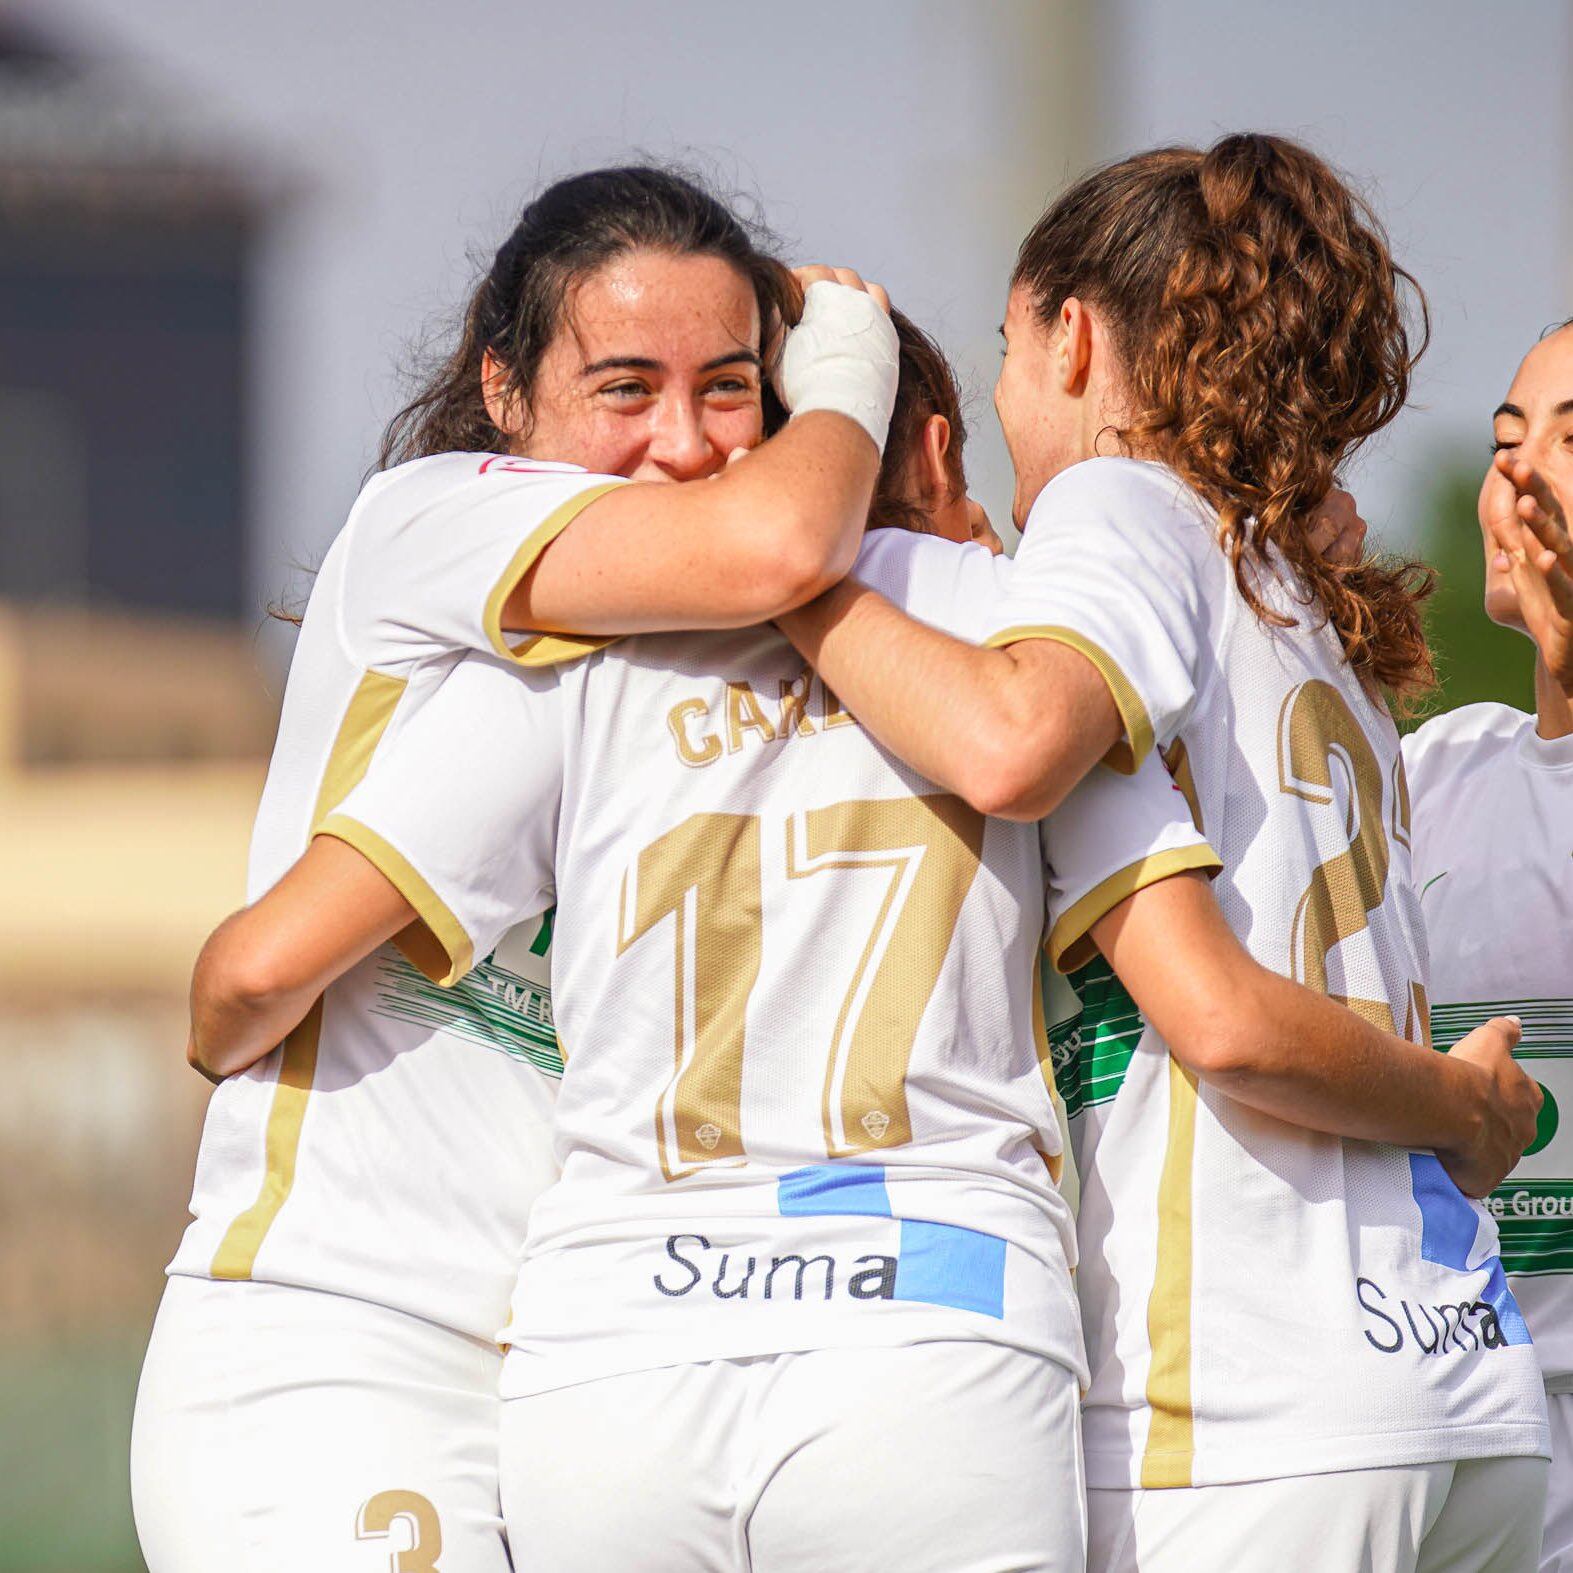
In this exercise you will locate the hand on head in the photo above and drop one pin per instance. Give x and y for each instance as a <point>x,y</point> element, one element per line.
<point>842,355</point>
<point>819,273</point>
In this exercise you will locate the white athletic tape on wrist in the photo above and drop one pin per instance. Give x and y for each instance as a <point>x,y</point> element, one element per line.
<point>842,356</point>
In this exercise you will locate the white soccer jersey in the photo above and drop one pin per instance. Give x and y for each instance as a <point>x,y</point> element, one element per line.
<point>1493,856</point>
<point>806,1102</point>
<point>391,1147</point>
<point>1259,1300</point>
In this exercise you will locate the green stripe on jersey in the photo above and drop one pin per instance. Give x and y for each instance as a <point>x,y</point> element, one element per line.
<point>1534,1216</point>
<point>1535,1221</point>
<point>1091,1050</point>
<point>490,1006</point>
<point>1548,1024</point>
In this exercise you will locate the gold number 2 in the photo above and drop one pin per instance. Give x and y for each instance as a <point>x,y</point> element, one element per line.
<point>1316,726</point>
<point>705,875</point>
<point>377,1517</point>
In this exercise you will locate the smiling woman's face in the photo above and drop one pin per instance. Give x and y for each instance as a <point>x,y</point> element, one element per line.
<point>654,374</point>
<point>1534,422</point>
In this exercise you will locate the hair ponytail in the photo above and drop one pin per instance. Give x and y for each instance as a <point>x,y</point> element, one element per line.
<point>1261,322</point>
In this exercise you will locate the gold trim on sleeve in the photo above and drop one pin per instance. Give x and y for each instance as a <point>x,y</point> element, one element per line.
<point>541,649</point>
<point>1070,943</point>
<point>237,1252</point>
<point>437,942</point>
<point>1128,753</point>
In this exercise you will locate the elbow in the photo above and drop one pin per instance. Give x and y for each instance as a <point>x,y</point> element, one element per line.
<point>999,788</point>
<point>250,984</point>
<point>1222,1036</point>
<point>791,568</point>
<point>236,976</point>
<point>215,1066</point>
<point>1010,770</point>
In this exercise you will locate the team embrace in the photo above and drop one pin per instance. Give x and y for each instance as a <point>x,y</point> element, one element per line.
<point>769,1035</point>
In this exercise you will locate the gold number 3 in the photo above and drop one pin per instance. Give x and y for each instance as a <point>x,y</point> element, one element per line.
<point>705,874</point>
<point>1315,726</point>
<point>377,1517</point>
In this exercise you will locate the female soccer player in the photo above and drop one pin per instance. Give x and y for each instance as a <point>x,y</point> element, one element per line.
<point>321,1386</point>
<point>777,1264</point>
<point>1493,858</point>
<point>1303,1349</point>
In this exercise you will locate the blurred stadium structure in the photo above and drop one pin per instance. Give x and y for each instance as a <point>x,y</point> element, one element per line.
<point>155,335</point>
<point>133,728</point>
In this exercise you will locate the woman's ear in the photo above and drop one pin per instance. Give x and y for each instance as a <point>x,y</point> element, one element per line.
<point>1075,348</point>
<point>502,402</point>
<point>933,466</point>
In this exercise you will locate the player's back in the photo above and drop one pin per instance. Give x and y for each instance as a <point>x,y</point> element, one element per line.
<point>1261,1299</point>
<point>805,1102</point>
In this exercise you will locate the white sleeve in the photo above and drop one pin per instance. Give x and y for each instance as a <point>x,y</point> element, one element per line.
<point>1114,835</point>
<point>459,810</point>
<point>954,586</point>
<point>437,546</point>
<point>1117,562</point>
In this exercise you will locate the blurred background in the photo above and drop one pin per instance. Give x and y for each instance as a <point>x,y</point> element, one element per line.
<point>225,230</point>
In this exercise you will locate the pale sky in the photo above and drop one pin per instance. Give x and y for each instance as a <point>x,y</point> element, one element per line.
<point>1457,120</point>
<point>915,139</point>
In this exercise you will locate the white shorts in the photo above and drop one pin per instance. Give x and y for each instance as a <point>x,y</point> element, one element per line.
<point>284,1428</point>
<point>1556,1555</point>
<point>1480,1515</point>
<point>952,1457</point>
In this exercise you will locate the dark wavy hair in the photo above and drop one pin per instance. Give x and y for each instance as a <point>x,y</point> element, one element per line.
<point>570,231</point>
<point>1265,335</point>
<point>926,386</point>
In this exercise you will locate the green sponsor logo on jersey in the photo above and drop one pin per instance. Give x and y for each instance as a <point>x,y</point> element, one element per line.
<point>491,1006</point>
<point>1534,1208</point>
<point>1091,1048</point>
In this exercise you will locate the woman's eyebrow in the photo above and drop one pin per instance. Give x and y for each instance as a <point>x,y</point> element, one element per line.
<point>1508,409</point>
<point>627,362</point>
<point>647,363</point>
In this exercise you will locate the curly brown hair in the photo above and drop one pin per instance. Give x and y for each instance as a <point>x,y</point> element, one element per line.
<point>1261,322</point>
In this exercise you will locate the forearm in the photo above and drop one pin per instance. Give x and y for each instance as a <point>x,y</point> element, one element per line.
<point>878,662</point>
<point>1011,731</point>
<point>1271,1043</point>
<point>1315,1063</point>
<point>765,536</point>
<point>264,967</point>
